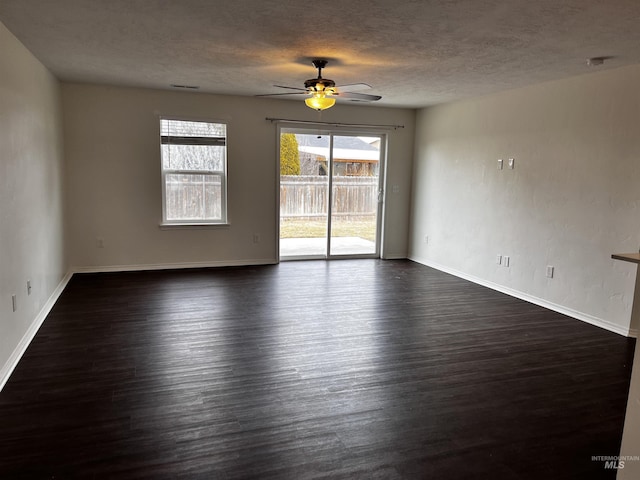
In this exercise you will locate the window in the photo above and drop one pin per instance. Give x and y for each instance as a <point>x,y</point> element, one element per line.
<point>194,166</point>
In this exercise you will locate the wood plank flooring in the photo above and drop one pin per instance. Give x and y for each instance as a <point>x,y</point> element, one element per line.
<point>351,369</point>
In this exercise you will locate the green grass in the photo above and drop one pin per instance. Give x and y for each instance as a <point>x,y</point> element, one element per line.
<point>292,228</point>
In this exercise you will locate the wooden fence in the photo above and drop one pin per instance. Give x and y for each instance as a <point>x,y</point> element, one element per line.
<point>193,197</point>
<point>301,197</point>
<point>305,196</point>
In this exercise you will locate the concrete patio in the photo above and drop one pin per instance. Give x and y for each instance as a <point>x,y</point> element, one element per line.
<point>313,247</point>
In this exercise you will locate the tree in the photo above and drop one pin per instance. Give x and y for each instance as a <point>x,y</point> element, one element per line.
<point>289,155</point>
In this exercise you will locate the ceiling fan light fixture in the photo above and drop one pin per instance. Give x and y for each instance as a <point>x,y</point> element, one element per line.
<point>320,102</point>
<point>320,91</point>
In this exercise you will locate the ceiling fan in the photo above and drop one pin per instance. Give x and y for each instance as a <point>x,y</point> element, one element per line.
<point>321,91</point>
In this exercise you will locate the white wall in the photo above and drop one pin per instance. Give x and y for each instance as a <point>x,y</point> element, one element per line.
<point>572,200</point>
<point>113,176</point>
<point>31,204</point>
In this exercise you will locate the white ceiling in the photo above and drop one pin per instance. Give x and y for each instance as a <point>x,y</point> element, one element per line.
<point>413,52</point>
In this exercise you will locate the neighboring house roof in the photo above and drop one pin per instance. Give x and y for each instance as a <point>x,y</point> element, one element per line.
<point>348,143</point>
<point>343,153</point>
<point>344,148</point>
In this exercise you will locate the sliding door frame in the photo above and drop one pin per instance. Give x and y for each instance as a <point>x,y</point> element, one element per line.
<point>382,169</point>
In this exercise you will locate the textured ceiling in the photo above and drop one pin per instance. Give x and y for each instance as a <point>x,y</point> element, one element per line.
<point>413,52</point>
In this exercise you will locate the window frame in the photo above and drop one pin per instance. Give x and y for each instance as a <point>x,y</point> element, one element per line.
<point>223,174</point>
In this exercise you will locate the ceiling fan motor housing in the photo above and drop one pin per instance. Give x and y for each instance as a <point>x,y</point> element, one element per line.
<point>319,84</point>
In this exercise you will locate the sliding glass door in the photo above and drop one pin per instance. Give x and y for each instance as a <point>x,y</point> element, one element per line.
<point>355,191</point>
<point>330,194</point>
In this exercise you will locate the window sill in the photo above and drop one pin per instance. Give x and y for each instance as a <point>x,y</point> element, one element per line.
<point>192,226</point>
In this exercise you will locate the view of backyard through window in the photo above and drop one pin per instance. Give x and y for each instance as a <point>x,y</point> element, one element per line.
<point>193,171</point>
<point>329,188</point>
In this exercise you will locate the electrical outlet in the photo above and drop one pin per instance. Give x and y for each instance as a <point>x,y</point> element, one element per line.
<point>512,163</point>
<point>426,239</point>
<point>499,259</point>
<point>549,271</point>
<point>14,302</point>
<point>99,242</point>
<point>505,261</point>
<point>28,287</point>
<point>256,238</point>
<point>500,163</point>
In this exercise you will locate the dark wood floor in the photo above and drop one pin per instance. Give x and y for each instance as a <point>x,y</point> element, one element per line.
<point>358,369</point>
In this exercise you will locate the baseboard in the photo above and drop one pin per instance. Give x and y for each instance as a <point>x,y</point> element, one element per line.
<point>394,256</point>
<point>173,266</point>
<point>22,346</point>
<point>590,319</point>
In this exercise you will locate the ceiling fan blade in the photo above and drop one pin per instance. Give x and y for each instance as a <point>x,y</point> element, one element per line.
<point>353,87</point>
<point>291,88</point>
<point>364,97</point>
<point>278,94</point>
